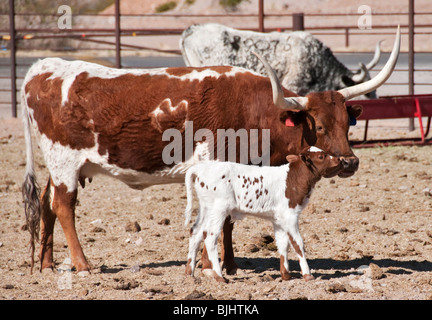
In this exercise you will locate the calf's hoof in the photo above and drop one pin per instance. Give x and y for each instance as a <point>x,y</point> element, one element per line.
<point>285,276</point>
<point>188,270</point>
<point>212,274</point>
<point>308,277</point>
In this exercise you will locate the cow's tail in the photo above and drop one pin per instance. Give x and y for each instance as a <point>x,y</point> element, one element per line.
<point>189,179</point>
<point>30,187</point>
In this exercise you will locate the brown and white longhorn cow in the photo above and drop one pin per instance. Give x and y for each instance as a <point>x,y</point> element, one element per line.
<point>94,120</point>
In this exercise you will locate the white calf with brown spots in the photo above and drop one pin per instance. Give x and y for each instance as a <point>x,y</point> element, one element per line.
<point>278,194</point>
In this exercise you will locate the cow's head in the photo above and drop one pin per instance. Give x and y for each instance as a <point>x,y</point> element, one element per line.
<point>326,114</point>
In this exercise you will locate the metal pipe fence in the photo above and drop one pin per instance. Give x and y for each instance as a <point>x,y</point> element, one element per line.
<point>114,38</point>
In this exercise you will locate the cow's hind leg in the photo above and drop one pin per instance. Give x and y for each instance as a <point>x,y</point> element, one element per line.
<point>63,205</point>
<point>227,252</point>
<point>47,229</point>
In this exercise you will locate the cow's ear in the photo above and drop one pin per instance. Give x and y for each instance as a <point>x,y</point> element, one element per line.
<point>355,111</point>
<point>292,158</point>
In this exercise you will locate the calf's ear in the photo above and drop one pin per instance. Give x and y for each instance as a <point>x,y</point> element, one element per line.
<point>292,158</point>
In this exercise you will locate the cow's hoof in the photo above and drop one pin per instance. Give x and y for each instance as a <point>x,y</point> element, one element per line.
<point>83,274</point>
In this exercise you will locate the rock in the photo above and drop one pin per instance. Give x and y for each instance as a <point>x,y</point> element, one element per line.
<point>335,288</point>
<point>364,208</point>
<point>83,293</point>
<point>97,221</point>
<point>132,227</point>
<point>362,268</point>
<point>197,295</point>
<point>354,183</point>
<point>137,199</point>
<point>127,285</point>
<point>343,230</point>
<point>371,271</point>
<point>164,221</point>
<point>374,272</point>
<point>97,230</point>
<point>427,192</point>
<point>251,248</point>
<point>264,241</point>
<point>135,268</point>
<point>139,241</point>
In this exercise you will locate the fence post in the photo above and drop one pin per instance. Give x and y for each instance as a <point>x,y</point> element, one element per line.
<point>261,15</point>
<point>117,33</point>
<point>298,21</point>
<point>12,56</point>
<point>411,56</point>
<point>346,37</point>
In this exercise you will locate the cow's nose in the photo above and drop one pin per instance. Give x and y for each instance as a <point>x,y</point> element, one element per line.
<point>350,166</point>
<point>345,162</point>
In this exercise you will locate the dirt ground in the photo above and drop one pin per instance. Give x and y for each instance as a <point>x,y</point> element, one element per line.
<point>366,237</point>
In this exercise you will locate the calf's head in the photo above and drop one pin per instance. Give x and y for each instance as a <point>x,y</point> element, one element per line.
<point>318,162</point>
<point>325,116</point>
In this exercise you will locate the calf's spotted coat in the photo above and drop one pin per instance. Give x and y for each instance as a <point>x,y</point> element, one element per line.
<point>278,194</point>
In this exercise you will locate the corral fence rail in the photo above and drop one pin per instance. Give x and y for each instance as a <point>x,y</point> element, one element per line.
<point>111,38</point>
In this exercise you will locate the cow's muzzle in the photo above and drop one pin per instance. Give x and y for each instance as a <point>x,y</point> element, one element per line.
<point>350,166</point>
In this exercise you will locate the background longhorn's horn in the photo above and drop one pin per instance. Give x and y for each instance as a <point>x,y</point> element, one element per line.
<point>359,77</point>
<point>376,57</point>
<point>379,79</point>
<point>290,103</point>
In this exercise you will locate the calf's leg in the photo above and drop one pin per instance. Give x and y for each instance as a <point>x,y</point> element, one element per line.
<point>282,243</point>
<point>212,229</point>
<point>196,236</point>
<point>227,252</point>
<point>298,246</point>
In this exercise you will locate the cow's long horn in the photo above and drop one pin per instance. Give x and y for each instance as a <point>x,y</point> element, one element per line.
<point>290,103</point>
<point>376,57</point>
<point>359,77</point>
<point>379,79</point>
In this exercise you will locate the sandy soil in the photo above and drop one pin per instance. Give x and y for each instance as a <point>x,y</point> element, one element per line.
<point>367,237</point>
